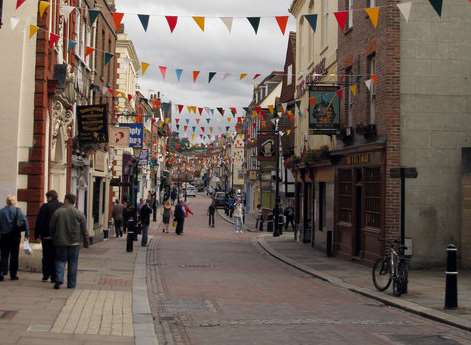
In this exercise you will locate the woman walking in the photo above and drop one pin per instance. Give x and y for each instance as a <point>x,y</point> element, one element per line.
<point>238,217</point>
<point>179,217</point>
<point>166,216</point>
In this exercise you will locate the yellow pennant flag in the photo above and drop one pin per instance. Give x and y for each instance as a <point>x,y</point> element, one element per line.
<point>43,5</point>
<point>254,114</point>
<point>354,89</point>
<point>373,13</point>
<point>168,120</point>
<point>189,108</point>
<point>144,67</point>
<point>200,21</point>
<point>271,109</point>
<point>33,29</point>
<point>243,75</point>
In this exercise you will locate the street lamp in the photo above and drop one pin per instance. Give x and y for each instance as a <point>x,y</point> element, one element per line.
<point>276,213</point>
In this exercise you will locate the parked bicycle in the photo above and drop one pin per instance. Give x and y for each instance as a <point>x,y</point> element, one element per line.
<point>392,268</point>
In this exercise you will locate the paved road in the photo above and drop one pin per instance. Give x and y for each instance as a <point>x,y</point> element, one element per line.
<point>215,287</point>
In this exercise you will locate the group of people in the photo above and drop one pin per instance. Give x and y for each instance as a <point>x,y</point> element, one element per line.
<point>62,229</point>
<point>286,218</point>
<point>237,214</point>
<point>181,211</point>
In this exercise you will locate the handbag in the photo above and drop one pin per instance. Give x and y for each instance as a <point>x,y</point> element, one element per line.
<point>27,247</point>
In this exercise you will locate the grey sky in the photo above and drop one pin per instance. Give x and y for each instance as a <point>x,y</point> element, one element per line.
<point>214,50</point>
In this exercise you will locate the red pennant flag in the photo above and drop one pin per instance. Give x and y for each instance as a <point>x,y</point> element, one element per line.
<point>177,120</point>
<point>172,22</point>
<point>202,129</point>
<point>185,128</point>
<point>233,110</point>
<point>221,111</point>
<point>342,18</point>
<point>339,93</point>
<point>195,75</point>
<point>239,120</point>
<point>163,71</point>
<point>258,109</point>
<point>19,3</point>
<point>282,23</point>
<point>53,39</point>
<point>89,51</point>
<point>180,108</point>
<point>129,98</point>
<point>118,18</point>
<point>200,110</point>
<point>256,76</point>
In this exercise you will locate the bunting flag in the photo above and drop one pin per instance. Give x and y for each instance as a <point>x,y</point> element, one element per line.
<point>71,45</point>
<point>129,98</point>
<point>195,76</point>
<point>66,10</point>
<point>228,23</point>
<point>298,106</point>
<point>342,18</point>
<point>53,39</point>
<point>144,18</point>
<point>107,57</point>
<point>255,22</point>
<point>193,128</point>
<point>211,129</point>
<point>163,71</point>
<point>227,128</point>
<point>93,15</point>
<point>271,109</point>
<point>178,127</point>
<point>180,108</point>
<point>256,76</point>
<point>200,111</point>
<point>229,119</point>
<point>200,21</point>
<point>43,6</point>
<point>172,22</point>
<point>117,18</point>
<point>282,23</point>
<point>202,129</point>
<point>226,75</point>
<point>144,67</point>
<point>354,89</point>
<point>312,20</point>
<point>368,84</point>
<point>14,22</point>
<point>33,30</point>
<point>208,121</point>
<point>405,9</point>
<point>211,76</point>
<point>221,111</point>
<point>19,3</point>
<point>437,6</point>
<point>179,73</point>
<point>185,128</point>
<point>339,93</point>
<point>177,120</point>
<point>243,75</point>
<point>373,14</point>
<point>246,109</point>
<point>89,51</point>
<point>234,110</point>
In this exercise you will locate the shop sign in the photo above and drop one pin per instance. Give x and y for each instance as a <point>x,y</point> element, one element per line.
<point>92,122</point>
<point>319,72</point>
<point>136,133</point>
<point>143,158</point>
<point>324,110</point>
<point>266,147</point>
<point>119,137</point>
<point>359,159</point>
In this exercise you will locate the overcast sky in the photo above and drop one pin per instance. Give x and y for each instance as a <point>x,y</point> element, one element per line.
<point>214,50</point>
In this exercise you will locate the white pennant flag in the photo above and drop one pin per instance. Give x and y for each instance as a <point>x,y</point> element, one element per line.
<point>14,22</point>
<point>368,84</point>
<point>226,75</point>
<point>228,23</point>
<point>66,10</point>
<point>405,9</point>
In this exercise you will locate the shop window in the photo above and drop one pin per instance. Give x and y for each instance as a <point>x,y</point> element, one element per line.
<point>322,205</point>
<point>372,94</point>
<point>345,195</point>
<point>373,197</point>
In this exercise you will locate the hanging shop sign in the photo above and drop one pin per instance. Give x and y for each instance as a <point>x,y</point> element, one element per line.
<point>266,147</point>
<point>143,158</point>
<point>119,137</point>
<point>92,122</point>
<point>316,75</point>
<point>324,110</point>
<point>136,133</point>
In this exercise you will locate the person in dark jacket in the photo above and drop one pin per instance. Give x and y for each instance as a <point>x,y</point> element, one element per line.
<point>68,228</point>
<point>41,231</point>
<point>129,214</point>
<point>179,218</point>
<point>12,224</point>
<point>144,216</point>
<point>211,213</point>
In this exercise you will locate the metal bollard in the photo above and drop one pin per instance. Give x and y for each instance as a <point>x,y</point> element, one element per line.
<point>451,289</point>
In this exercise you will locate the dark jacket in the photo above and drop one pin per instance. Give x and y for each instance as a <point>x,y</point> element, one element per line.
<point>129,212</point>
<point>144,214</point>
<point>68,227</point>
<point>43,220</point>
<point>179,213</point>
<point>212,209</point>
<point>9,217</point>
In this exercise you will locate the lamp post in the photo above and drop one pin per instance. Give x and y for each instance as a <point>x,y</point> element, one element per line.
<point>276,213</point>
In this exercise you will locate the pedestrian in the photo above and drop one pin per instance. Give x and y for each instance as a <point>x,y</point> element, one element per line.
<point>129,215</point>
<point>173,195</point>
<point>142,202</point>
<point>187,209</point>
<point>144,216</point>
<point>179,217</point>
<point>154,207</point>
<point>68,229</point>
<point>238,217</point>
<point>167,213</point>
<point>289,215</point>
<point>12,224</point>
<point>118,218</point>
<point>41,231</point>
<point>259,222</point>
<point>211,213</point>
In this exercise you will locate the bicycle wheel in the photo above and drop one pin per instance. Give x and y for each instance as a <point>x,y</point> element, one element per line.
<point>382,274</point>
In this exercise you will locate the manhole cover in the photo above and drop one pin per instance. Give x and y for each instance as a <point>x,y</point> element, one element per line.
<point>423,340</point>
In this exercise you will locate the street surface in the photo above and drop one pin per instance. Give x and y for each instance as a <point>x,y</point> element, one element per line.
<point>216,287</point>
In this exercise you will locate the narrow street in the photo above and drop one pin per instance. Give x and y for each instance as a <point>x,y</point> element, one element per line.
<point>215,287</point>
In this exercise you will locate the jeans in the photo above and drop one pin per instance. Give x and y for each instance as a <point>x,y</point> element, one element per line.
<point>118,227</point>
<point>10,249</point>
<point>145,234</point>
<point>70,256</point>
<point>211,220</point>
<point>238,224</point>
<point>48,261</point>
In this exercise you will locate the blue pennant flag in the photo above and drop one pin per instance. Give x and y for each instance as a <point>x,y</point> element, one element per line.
<point>144,18</point>
<point>93,15</point>
<point>312,19</point>
<point>179,73</point>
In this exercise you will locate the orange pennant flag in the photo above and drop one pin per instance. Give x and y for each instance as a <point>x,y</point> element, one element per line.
<point>271,108</point>
<point>373,13</point>
<point>195,75</point>
<point>144,67</point>
<point>43,5</point>
<point>33,29</point>
<point>117,17</point>
<point>243,75</point>
<point>89,51</point>
<point>282,23</point>
<point>200,21</point>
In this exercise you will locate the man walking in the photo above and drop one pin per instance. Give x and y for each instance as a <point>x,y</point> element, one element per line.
<point>42,232</point>
<point>211,213</point>
<point>179,217</point>
<point>144,215</point>
<point>117,215</point>
<point>68,229</point>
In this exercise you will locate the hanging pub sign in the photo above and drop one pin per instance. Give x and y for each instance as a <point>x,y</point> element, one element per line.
<point>324,110</point>
<point>92,122</point>
<point>266,147</point>
<point>119,137</point>
<point>136,133</point>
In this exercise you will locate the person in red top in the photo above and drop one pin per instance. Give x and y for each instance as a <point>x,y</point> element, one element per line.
<point>187,209</point>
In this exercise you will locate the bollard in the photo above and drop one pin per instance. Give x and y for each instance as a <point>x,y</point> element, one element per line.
<point>451,289</point>
<point>130,242</point>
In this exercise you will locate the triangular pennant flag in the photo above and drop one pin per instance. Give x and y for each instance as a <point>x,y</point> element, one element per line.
<point>211,76</point>
<point>312,20</point>
<point>33,29</point>
<point>189,109</point>
<point>14,22</point>
<point>373,14</point>
<point>227,128</point>
<point>185,128</point>
<point>202,129</point>
<point>163,71</point>
<point>66,10</point>
<point>339,93</point>
<point>243,75</point>
<point>437,6</point>
<point>226,75</point>
<point>179,73</point>
<point>195,75</point>
<point>246,109</point>
<point>342,18</point>
<point>193,109</point>
<point>368,84</point>
<point>53,39</point>
<point>405,9</point>
<point>354,89</point>
<point>256,76</point>
<point>118,18</point>
<point>19,3</point>
<point>239,120</point>
<point>193,128</point>
<point>180,108</point>
<point>200,21</point>
<point>71,45</point>
<point>228,22</point>
<point>178,127</point>
<point>43,5</point>
<point>255,22</point>
<point>208,121</point>
<point>374,78</point>
<point>144,67</point>
<point>93,15</point>
<point>221,111</point>
<point>229,119</point>
<point>177,120</point>
<point>107,57</point>
<point>282,23</point>
<point>89,51</point>
<point>200,111</point>
<point>129,98</point>
<point>172,22</point>
<point>198,121</point>
<point>144,18</point>
<point>234,110</point>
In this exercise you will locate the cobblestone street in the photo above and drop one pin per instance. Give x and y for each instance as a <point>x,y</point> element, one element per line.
<point>213,286</point>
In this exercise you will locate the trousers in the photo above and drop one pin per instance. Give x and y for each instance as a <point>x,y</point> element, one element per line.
<point>10,252</point>
<point>49,259</point>
<point>67,255</point>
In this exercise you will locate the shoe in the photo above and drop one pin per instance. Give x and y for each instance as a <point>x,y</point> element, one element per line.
<point>45,279</point>
<point>57,285</point>
<point>14,278</point>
